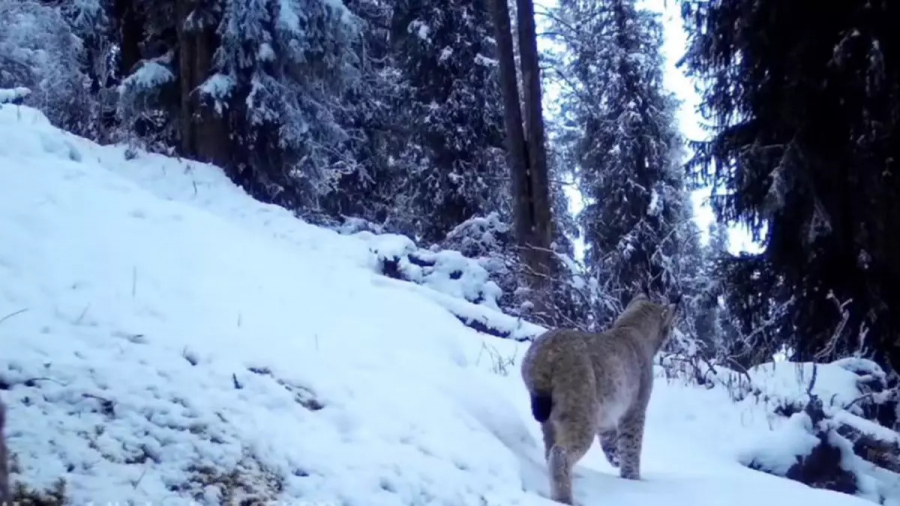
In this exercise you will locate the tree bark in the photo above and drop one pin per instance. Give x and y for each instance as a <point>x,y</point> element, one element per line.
<point>517,153</point>
<point>526,154</point>
<point>203,132</point>
<point>541,260</point>
<point>131,31</point>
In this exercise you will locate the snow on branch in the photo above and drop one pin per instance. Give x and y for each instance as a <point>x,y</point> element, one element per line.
<point>13,96</point>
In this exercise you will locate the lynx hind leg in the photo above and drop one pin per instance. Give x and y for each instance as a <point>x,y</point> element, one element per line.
<point>631,438</point>
<point>609,441</point>
<point>560,475</point>
<point>572,440</point>
<point>549,437</point>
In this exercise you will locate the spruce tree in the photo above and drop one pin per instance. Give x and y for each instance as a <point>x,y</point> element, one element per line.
<point>626,147</point>
<point>372,114</point>
<point>254,87</point>
<point>43,50</point>
<point>801,97</point>
<point>453,116</point>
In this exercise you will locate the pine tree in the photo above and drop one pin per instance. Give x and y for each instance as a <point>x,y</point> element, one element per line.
<point>453,117</point>
<point>801,96</point>
<point>626,147</point>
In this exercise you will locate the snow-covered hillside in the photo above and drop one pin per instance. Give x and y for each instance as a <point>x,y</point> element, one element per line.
<point>167,339</point>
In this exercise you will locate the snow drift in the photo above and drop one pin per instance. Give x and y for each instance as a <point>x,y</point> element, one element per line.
<point>168,339</point>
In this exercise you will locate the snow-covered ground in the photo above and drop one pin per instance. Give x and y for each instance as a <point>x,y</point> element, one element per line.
<point>167,339</point>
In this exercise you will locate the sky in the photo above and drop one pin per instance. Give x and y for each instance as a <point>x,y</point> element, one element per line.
<point>688,118</point>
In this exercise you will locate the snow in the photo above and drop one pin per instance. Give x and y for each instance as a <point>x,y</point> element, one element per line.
<point>422,30</point>
<point>655,206</point>
<point>867,427</point>
<point>219,87</point>
<point>168,338</point>
<point>288,18</point>
<point>266,53</point>
<point>485,61</point>
<point>293,20</point>
<point>446,272</point>
<point>150,75</point>
<point>11,94</point>
<point>777,451</point>
<point>445,55</point>
<point>786,382</point>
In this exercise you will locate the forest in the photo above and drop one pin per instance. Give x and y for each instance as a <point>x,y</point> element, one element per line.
<point>471,125</point>
<point>430,118</point>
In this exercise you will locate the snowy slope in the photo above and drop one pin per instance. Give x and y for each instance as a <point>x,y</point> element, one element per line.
<point>169,338</point>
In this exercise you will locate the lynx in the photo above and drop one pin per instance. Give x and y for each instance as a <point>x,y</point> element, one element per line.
<point>596,384</point>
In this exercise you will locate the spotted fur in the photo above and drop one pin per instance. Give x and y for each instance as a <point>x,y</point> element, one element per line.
<point>586,385</point>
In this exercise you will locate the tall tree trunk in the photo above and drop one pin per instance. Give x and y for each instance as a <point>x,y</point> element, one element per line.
<point>131,32</point>
<point>541,259</point>
<point>517,153</point>
<point>527,158</point>
<point>203,132</point>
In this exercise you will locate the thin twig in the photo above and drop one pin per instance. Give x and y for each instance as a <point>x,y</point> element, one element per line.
<point>83,313</point>
<point>32,380</point>
<point>16,313</point>
<point>812,381</point>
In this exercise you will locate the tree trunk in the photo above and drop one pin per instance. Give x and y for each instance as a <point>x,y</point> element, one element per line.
<point>203,132</point>
<point>517,153</point>
<point>131,32</point>
<point>540,255</point>
<point>527,158</point>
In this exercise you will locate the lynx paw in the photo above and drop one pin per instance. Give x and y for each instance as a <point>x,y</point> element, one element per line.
<point>612,458</point>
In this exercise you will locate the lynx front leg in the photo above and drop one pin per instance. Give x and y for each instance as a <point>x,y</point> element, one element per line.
<point>631,437</point>
<point>609,441</point>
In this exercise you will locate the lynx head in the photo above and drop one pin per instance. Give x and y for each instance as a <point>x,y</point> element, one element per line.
<point>654,320</point>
